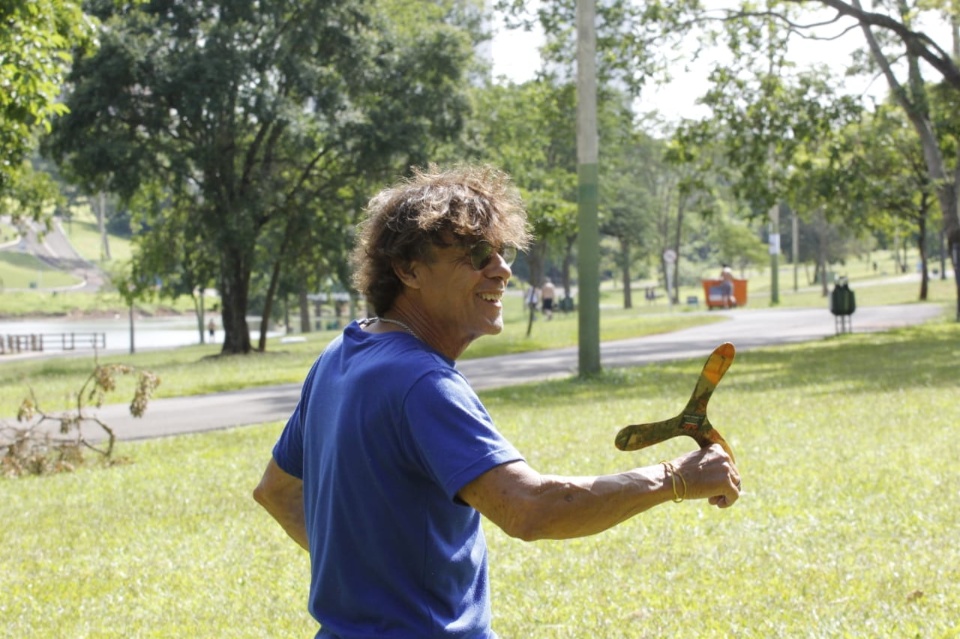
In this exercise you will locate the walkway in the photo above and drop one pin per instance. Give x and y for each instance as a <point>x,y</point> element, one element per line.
<point>746,328</point>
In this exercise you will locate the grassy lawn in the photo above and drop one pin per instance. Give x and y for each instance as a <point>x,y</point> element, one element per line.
<point>22,271</point>
<point>8,233</point>
<point>84,235</point>
<point>32,304</point>
<point>196,370</point>
<point>847,447</point>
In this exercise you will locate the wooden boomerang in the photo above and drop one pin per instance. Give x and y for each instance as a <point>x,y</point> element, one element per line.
<point>693,420</point>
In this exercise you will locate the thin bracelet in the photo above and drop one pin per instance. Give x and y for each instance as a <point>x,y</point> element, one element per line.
<point>683,481</point>
<point>671,470</point>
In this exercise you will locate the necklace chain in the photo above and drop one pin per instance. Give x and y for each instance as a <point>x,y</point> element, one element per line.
<point>398,323</point>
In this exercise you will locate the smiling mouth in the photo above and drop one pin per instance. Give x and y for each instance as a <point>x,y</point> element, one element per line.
<point>491,297</point>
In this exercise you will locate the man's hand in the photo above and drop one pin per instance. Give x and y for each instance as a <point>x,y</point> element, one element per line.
<point>710,473</point>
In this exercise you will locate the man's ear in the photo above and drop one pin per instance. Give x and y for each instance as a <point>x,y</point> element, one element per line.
<point>408,273</point>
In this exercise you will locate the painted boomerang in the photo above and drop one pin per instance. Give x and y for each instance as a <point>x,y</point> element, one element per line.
<point>693,420</point>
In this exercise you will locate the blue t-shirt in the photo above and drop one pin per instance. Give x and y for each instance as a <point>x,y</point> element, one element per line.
<point>385,435</point>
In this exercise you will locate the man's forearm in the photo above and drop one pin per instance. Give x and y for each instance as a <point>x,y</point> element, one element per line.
<point>281,495</point>
<point>292,523</point>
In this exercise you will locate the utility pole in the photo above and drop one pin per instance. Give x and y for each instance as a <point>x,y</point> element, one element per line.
<point>588,243</point>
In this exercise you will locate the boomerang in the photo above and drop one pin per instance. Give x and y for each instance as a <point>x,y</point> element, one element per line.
<point>693,421</point>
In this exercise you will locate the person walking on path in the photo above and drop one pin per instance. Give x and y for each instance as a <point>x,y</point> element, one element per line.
<point>389,459</point>
<point>548,292</point>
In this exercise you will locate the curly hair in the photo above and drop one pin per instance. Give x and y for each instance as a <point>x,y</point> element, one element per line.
<point>403,222</point>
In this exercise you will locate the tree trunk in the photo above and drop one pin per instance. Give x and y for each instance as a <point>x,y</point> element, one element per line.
<point>922,245</point>
<point>235,292</point>
<point>535,262</point>
<point>954,242</point>
<point>681,207</point>
<point>822,232</point>
<point>268,306</point>
<point>304,310</point>
<point>951,224</point>
<point>133,348</point>
<point>943,254</point>
<point>198,307</point>
<point>568,266</point>
<point>625,273</point>
<point>102,227</point>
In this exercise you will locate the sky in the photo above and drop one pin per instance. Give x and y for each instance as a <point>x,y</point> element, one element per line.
<point>515,56</point>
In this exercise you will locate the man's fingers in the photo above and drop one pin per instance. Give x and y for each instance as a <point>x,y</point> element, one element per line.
<point>725,501</point>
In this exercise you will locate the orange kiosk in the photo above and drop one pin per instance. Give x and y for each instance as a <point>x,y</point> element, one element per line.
<point>712,293</point>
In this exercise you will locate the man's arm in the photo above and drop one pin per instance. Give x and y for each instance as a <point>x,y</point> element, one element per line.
<point>530,506</point>
<point>281,494</point>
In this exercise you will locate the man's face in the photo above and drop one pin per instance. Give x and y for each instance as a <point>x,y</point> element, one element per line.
<point>462,302</point>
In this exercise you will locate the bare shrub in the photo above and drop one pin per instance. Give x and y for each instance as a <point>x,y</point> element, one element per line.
<point>42,442</point>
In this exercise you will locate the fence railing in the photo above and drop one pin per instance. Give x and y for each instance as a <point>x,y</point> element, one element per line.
<point>41,342</point>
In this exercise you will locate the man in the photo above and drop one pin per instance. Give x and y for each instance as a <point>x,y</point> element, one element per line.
<point>389,459</point>
<point>549,292</point>
<point>726,286</point>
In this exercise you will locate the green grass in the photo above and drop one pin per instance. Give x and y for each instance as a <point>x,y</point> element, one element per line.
<point>847,448</point>
<point>30,304</point>
<point>19,271</point>
<point>195,370</point>
<point>22,271</point>
<point>84,235</point>
<point>8,233</point>
<point>873,291</point>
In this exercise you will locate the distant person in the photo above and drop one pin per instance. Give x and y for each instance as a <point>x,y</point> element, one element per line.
<point>532,297</point>
<point>390,458</point>
<point>212,329</point>
<point>547,294</point>
<point>726,287</point>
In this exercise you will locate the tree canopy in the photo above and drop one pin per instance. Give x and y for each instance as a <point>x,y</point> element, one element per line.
<point>37,38</point>
<point>256,117</point>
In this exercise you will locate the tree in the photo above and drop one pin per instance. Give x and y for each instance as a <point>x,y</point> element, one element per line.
<point>171,245</point>
<point>36,39</point>
<point>630,32</point>
<point>885,180</point>
<point>635,180</point>
<point>890,35</point>
<point>256,113</point>
<point>768,122</point>
<point>528,131</point>
<point>736,243</point>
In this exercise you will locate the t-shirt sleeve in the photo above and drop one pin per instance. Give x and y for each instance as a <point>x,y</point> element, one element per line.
<point>288,451</point>
<point>453,432</point>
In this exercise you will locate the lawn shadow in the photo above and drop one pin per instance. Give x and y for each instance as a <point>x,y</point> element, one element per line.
<point>901,359</point>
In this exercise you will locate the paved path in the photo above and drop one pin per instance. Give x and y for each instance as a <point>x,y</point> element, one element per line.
<point>746,328</point>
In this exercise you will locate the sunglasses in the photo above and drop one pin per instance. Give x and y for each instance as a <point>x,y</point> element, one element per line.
<point>482,253</point>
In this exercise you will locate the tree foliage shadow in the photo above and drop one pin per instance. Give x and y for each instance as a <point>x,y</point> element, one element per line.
<point>901,359</point>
